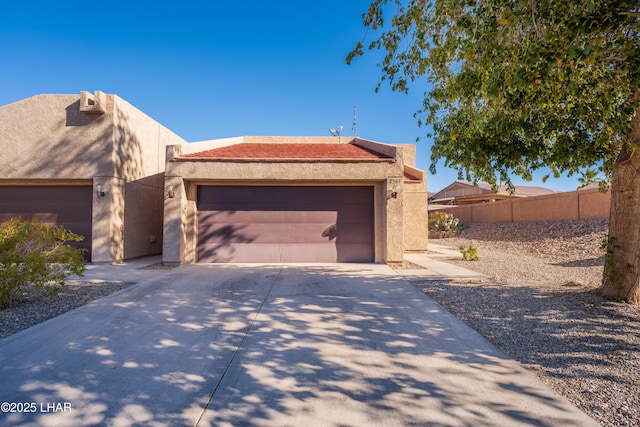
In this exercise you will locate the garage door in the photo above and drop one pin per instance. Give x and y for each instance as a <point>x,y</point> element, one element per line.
<point>285,224</point>
<point>67,206</point>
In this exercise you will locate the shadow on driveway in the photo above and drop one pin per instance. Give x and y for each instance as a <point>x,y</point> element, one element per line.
<point>270,345</point>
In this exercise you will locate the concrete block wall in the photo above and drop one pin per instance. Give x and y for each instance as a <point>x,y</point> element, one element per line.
<point>573,205</point>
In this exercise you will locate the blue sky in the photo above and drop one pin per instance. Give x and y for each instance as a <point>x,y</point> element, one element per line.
<point>214,69</point>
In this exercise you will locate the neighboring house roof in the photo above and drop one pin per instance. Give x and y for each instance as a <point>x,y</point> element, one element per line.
<point>592,185</point>
<point>287,151</point>
<point>467,192</point>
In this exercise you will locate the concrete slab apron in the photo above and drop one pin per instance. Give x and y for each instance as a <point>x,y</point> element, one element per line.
<point>270,346</point>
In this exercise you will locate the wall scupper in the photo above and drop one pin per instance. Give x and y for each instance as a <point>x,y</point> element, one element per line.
<point>93,104</point>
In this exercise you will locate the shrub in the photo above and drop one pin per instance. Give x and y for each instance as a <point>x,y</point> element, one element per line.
<point>35,255</point>
<point>470,253</point>
<point>443,224</point>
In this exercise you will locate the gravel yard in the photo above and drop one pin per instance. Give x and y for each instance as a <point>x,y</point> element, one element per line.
<point>540,308</point>
<point>38,307</point>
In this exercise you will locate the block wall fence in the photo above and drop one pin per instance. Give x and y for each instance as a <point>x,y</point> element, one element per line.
<point>579,204</point>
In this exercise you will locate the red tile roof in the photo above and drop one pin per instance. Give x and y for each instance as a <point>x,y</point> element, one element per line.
<point>283,152</point>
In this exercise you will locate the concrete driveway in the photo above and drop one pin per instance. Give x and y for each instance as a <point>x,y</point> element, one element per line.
<point>270,345</point>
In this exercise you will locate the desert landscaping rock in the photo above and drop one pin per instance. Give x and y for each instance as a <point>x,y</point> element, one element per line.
<point>541,308</point>
<point>38,306</point>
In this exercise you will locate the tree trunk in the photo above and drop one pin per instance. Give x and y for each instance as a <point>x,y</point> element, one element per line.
<point>621,278</point>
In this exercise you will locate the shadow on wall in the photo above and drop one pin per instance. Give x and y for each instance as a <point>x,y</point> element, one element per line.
<point>102,148</point>
<point>220,242</point>
<point>285,224</point>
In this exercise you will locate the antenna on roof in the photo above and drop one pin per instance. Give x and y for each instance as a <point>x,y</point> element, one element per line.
<point>335,132</point>
<point>355,120</point>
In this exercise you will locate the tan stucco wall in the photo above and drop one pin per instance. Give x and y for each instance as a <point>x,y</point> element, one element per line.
<point>409,154</point>
<point>100,139</point>
<point>416,221</point>
<point>143,216</point>
<point>139,145</point>
<point>49,138</point>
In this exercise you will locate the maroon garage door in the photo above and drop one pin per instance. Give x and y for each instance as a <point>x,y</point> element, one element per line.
<point>285,224</point>
<point>67,206</point>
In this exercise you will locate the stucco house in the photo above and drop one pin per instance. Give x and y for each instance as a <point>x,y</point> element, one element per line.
<point>133,188</point>
<point>465,193</point>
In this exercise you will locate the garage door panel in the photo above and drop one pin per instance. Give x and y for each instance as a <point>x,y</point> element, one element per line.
<point>285,233</point>
<point>285,224</point>
<point>276,252</point>
<point>225,233</point>
<point>329,206</point>
<point>51,214</point>
<point>286,217</point>
<point>280,196</point>
<point>355,252</point>
<point>309,253</point>
<point>46,195</point>
<point>347,252</point>
<point>48,217</point>
<point>69,206</point>
<point>354,233</point>
<point>355,214</point>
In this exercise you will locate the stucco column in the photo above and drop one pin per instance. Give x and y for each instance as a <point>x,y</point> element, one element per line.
<point>107,220</point>
<point>175,207</point>
<point>395,213</point>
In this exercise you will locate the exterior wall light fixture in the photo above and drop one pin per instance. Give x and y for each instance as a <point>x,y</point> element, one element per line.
<point>392,195</point>
<point>99,190</point>
<point>170,193</point>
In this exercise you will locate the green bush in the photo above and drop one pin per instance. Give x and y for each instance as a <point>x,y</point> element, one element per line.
<point>442,224</point>
<point>35,255</point>
<point>470,253</point>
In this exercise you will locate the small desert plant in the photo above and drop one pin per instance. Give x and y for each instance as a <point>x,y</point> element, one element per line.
<point>443,224</point>
<point>35,255</point>
<point>470,253</point>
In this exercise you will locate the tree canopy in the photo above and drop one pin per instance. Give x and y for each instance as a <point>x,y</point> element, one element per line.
<point>515,85</point>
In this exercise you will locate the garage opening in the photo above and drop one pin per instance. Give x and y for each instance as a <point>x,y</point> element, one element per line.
<point>66,206</point>
<point>285,224</point>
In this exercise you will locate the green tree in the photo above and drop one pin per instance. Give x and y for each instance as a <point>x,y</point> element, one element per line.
<point>518,85</point>
<point>35,255</point>
<point>589,176</point>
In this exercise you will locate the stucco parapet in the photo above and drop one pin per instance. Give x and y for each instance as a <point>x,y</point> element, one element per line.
<point>172,152</point>
<point>416,185</point>
<point>124,105</point>
<point>386,149</point>
<point>44,100</point>
<point>296,140</point>
<point>408,153</point>
<point>415,172</point>
<point>233,170</point>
